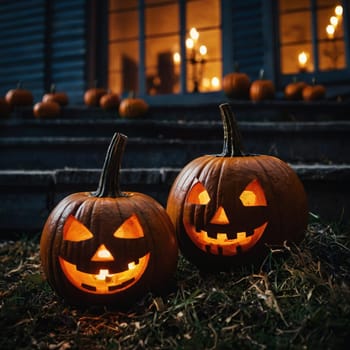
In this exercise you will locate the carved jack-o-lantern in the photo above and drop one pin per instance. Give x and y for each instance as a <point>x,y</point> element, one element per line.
<point>227,208</point>
<point>225,232</point>
<point>108,246</point>
<point>109,270</point>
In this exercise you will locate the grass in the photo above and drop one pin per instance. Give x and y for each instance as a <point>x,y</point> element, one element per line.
<point>299,298</point>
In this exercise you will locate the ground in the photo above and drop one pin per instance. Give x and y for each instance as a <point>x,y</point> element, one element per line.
<point>299,298</point>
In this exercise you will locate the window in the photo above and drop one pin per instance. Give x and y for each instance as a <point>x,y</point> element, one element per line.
<point>311,36</point>
<point>164,47</point>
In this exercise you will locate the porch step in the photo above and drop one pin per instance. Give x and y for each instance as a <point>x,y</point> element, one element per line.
<point>27,197</point>
<point>77,144</point>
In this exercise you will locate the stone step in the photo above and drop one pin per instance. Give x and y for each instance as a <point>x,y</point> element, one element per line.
<point>278,109</point>
<point>27,197</point>
<point>161,144</point>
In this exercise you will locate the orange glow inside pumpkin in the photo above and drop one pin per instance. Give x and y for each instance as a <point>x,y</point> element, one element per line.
<point>252,195</point>
<point>104,282</point>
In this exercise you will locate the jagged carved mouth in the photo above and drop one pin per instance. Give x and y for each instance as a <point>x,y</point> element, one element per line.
<point>105,282</point>
<point>218,243</point>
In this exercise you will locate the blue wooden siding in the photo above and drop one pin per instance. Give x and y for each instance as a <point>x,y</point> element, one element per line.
<point>247,36</point>
<point>43,42</point>
<point>22,29</point>
<point>68,47</point>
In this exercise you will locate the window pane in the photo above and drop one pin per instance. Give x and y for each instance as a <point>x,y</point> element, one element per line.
<point>290,61</point>
<point>123,66</point>
<point>204,68</point>
<point>123,25</point>
<point>295,36</point>
<point>162,41</point>
<point>161,72</point>
<point>158,20</point>
<point>330,35</point>
<point>203,13</point>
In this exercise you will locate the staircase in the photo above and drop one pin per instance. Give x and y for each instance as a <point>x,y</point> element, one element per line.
<point>41,161</point>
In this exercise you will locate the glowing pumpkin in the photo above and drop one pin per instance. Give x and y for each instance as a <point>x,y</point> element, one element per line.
<point>108,246</point>
<point>227,208</point>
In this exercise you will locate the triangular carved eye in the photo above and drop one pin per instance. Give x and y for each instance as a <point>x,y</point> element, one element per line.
<point>198,194</point>
<point>130,228</point>
<point>253,195</point>
<point>75,231</point>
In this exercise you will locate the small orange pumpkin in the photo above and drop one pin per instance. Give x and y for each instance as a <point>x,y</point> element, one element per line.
<point>314,92</point>
<point>236,84</point>
<point>110,101</point>
<point>294,90</point>
<point>48,109</point>
<point>19,96</point>
<point>60,97</point>
<point>133,107</point>
<point>92,96</point>
<point>262,89</point>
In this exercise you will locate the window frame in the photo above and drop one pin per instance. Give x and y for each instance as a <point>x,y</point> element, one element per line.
<point>324,77</point>
<point>183,97</point>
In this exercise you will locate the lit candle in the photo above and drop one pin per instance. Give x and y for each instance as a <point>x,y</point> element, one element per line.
<point>203,50</point>
<point>330,31</point>
<point>189,43</point>
<point>194,34</point>
<point>333,21</point>
<point>176,58</point>
<point>302,59</point>
<point>338,10</point>
<point>215,82</point>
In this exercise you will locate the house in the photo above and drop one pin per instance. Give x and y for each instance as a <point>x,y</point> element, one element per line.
<point>172,52</point>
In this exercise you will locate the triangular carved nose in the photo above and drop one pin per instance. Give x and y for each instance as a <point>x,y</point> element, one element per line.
<point>220,217</point>
<point>102,254</point>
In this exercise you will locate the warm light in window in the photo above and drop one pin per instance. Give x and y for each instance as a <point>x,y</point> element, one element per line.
<point>338,10</point>
<point>194,34</point>
<point>302,58</point>
<point>330,31</point>
<point>334,21</point>
<point>203,50</point>
<point>215,82</point>
<point>177,58</point>
<point>189,43</point>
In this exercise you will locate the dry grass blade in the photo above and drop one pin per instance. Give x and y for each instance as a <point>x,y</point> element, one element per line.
<point>298,298</point>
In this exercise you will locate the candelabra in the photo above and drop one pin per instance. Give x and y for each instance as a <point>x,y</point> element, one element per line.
<point>197,57</point>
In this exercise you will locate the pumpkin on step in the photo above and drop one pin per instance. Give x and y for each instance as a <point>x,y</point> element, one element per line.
<point>236,84</point>
<point>92,96</point>
<point>110,101</point>
<point>108,246</point>
<point>19,96</point>
<point>262,89</point>
<point>314,92</point>
<point>47,109</point>
<point>227,208</point>
<point>59,97</point>
<point>294,90</point>
<point>133,107</point>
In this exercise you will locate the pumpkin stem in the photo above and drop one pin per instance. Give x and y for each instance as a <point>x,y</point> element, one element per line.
<point>232,139</point>
<point>109,180</point>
